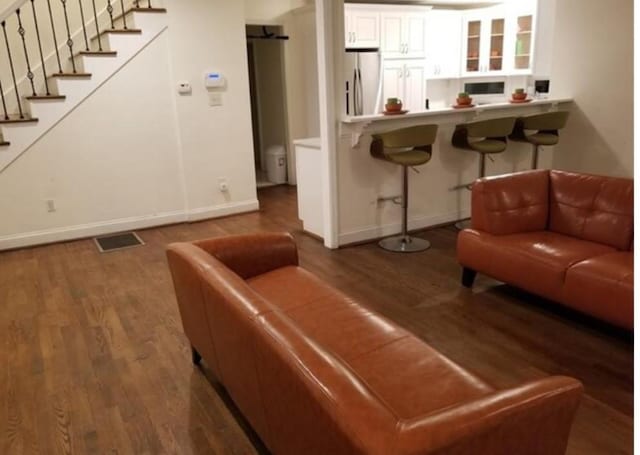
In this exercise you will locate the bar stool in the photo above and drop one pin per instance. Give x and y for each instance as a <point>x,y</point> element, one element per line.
<point>545,131</point>
<point>485,137</point>
<point>406,147</point>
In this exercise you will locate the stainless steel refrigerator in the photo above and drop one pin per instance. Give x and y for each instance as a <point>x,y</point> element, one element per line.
<point>363,81</point>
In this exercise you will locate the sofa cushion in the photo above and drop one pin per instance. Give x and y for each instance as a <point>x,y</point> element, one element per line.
<point>603,287</point>
<point>383,355</point>
<point>534,261</point>
<point>589,207</point>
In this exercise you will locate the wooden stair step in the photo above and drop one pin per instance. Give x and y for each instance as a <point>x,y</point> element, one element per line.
<point>142,9</point>
<point>122,31</point>
<point>97,53</point>
<point>46,97</point>
<point>15,118</point>
<point>71,75</point>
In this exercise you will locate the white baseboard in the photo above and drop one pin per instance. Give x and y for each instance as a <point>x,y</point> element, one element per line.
<point>217,211</point>
<point>376,232</point>
<point>122,224</point>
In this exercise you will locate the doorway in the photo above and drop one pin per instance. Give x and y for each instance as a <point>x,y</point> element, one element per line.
<point>265,53</point>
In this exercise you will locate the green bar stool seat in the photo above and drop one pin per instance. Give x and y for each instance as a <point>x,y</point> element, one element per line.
<point>543,130</point>
<point>485,137</point>
<point>406,147</point>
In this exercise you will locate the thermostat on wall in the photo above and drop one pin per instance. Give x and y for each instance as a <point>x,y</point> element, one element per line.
<point>213,79</point>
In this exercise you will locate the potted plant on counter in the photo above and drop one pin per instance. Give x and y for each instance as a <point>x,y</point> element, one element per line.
<point>519,95</point>
<point>393,105</point>
<point>464,99</point>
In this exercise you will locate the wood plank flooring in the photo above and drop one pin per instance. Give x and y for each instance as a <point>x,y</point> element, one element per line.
<point>93,358</point>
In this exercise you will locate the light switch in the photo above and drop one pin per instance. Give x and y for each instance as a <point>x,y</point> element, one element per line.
<point>215,99</point>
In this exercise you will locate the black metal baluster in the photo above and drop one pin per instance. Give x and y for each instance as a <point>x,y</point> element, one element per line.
<point>137,3</point>
<point>69,40</point>
<point>95,19</point>
<point>124,14</point>
<point>4,103</point>
<point>44,68</point>
<point>13,72</point>
<point>149,3</point>
<point>55,40</point>
<point>110,11</point>
<point>84,27</point>
<point>22,33</point>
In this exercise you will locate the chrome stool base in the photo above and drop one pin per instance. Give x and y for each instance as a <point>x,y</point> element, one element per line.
<point>404,244</point>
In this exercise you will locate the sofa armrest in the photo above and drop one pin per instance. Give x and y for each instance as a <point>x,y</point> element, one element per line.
<point>532,419</point>
<point>511,203</point>
<point>253,254</point>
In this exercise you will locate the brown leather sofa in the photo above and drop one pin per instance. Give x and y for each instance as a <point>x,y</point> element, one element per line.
<point>314,372</point>
<point>565,236</point>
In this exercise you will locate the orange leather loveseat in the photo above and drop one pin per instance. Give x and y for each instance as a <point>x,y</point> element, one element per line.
<point>565,236</point>
<point>316,373</point>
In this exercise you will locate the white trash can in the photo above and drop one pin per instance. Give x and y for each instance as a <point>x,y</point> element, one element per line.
<point>276,164</point>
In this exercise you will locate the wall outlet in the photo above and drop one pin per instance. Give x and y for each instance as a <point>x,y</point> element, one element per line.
<point>51,205</point>
<point>223,185</point>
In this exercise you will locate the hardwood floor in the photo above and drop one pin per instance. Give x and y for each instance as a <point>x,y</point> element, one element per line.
<point>93,357</point>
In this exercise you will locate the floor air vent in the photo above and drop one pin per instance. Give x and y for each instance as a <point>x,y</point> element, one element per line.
<point>116,242</point>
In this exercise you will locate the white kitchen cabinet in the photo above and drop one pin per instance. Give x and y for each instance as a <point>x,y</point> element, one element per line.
<point>484,42</point>
<point>499,40</point>
<point>362,26</point>
<point>403,33</point>
<point>405,79</point>
<point>444,39</point>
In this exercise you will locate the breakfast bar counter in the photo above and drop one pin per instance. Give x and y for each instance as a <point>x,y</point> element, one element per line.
<point>477,109</point>
<point>367,187</point>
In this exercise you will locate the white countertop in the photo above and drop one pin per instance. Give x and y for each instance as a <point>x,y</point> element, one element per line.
<point>451,110</point>
<point>310,142</point>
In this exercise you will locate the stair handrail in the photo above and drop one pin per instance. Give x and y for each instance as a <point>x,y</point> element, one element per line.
<point>11,9</point>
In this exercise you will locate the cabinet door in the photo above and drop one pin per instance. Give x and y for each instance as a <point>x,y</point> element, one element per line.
<point>496,57</point>
<point>365,26</point>
<point>444,38</point>
<point>523,48</point>
<point>414,75</point>
<point>414,35</point>
<point>393,80</point>
<point>473,31</point>
<point>392,36</point>
<point>348,35</point>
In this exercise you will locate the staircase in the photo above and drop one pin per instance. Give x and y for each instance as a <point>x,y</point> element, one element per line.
<point>55,53</point>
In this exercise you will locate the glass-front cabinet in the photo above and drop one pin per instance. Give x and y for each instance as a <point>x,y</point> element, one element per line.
<point>484,42</point>
<point>523,49</point>
<point>498,41</point>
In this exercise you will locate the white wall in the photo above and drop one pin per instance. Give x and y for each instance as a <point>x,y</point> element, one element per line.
<point>137,154</point>
<point>593,63</point>
<point>216,142</point>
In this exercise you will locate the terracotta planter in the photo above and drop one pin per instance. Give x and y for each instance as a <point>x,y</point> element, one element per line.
<point>464,101</point>
<point>393,107</point>
<point>519,96</point>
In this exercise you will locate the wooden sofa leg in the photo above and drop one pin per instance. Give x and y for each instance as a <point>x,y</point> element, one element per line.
<point>468,277</point>
<point>195,356</point>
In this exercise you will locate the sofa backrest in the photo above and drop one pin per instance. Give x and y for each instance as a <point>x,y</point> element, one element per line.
<point>512,203</point>
<point>591,207</point>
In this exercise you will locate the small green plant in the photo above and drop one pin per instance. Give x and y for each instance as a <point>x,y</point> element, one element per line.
<point>393,101</point>
<point>463,95</point>
<point>519,91</point>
